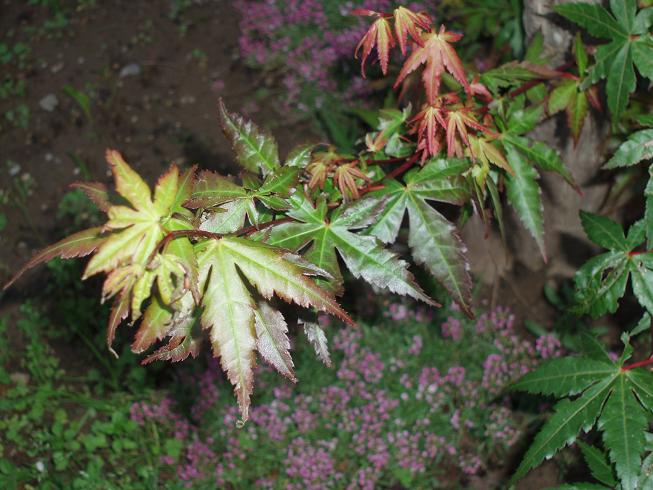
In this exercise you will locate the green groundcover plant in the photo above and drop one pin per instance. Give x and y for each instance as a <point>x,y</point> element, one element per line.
<point>206,252</point>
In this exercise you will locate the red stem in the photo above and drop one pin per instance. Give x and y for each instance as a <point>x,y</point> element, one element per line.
<point>530,84</point>
<point>253,229</point>
<point>176,234</point>
<point>641,252</point>
<point>384,162</point>
<point>628,367</point>
<point>215,236</point>
<point>373,186</point>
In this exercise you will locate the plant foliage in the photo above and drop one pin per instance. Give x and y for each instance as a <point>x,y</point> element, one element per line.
<point>209,255</point>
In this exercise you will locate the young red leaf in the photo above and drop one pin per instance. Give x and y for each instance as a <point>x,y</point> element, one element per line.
<point>119,312</point>
<point>457,122</point>
<point>439,56</point>
<point>427,124</point>
<point>379,35</point>
<point>408,22</point>
<point>78,245</point>
<point>272,339</point>
<point>96,192</point>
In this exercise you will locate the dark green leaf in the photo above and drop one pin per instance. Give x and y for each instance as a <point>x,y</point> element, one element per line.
<point>524,195</point>
<point>563,426</point>
<point>598,464</point>
<point>642,284</point>
<point>638,147</point>
<point>623,423</point>
<point>603,231</point>
<point>621,81</point>
<point>564,376</point>
<point>594,18</point>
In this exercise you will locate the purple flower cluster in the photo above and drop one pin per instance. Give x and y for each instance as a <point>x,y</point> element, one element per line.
<point>405,410</point>
<point>306,41</point>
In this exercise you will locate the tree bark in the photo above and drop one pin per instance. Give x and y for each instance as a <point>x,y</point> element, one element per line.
<point>564,235</point>
<point>565,241</point>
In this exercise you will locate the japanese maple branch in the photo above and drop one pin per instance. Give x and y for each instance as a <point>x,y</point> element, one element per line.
<point>254,228</point>
<point>179,233</point>
<point>529,85</point>
<point>373,186</point>
<point>248,230</point>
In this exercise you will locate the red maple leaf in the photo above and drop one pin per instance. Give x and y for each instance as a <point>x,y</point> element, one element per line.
<point>439,56</point>
<point>428,124</point>
<point>408,22</point>
<point>379,35</point>
<point>457,122</point>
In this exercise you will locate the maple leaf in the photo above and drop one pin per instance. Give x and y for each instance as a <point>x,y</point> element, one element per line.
<point>175,321</point>
<point>254,148</point>
<point>434,241</point>
<point>570,97</point>
<point>237,324</point>
<point>326,234</point>
<point>594,391</point>
<point>456,123</point>
<point>125,247</point>
<point>573,96</point>
<point>379,35</point>
<point>80,244</point>
<point>427,124</point>
<point>408,22</point>
<point>226,203</point>
<point>345,176</point>
<point>487,153</point>
<point>439,56</point>
<point>630,45</point>
<point>390,122</point>
<point>601,282</point>
<point>320,167</point>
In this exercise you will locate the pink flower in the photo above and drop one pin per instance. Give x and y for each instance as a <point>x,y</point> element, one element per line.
<point>452,329</point>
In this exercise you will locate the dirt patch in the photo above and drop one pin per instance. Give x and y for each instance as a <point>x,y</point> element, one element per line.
<point>153,82</point>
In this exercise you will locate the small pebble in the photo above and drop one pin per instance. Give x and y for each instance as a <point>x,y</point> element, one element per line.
<point>49,102</point>
<point>130,70</point>
<point>14,169</point>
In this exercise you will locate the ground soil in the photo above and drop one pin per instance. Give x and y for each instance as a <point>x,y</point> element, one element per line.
<point>165,113</point>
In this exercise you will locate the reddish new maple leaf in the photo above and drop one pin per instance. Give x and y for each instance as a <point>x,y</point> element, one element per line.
<point>345,177</point>
<point>457,121</point>
<point>439,56</point>
<point>408,22</point>
<point>379,35</point>
<point>427,124</point>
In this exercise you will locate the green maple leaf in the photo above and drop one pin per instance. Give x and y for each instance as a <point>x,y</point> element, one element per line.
<point>525,195</point>
<point>321,236</point>
<point>239,325</point>
<point>255,149</point>
<point>433,240</point>
<point>126,246</point>
<point>570,97</point>
<point>629,45</point>
<point>602,280</point>
<point>617,401</point>
<point>637,148</point>
<point>598,463</point>
<point>228,203</point>
<point>573,96</point>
